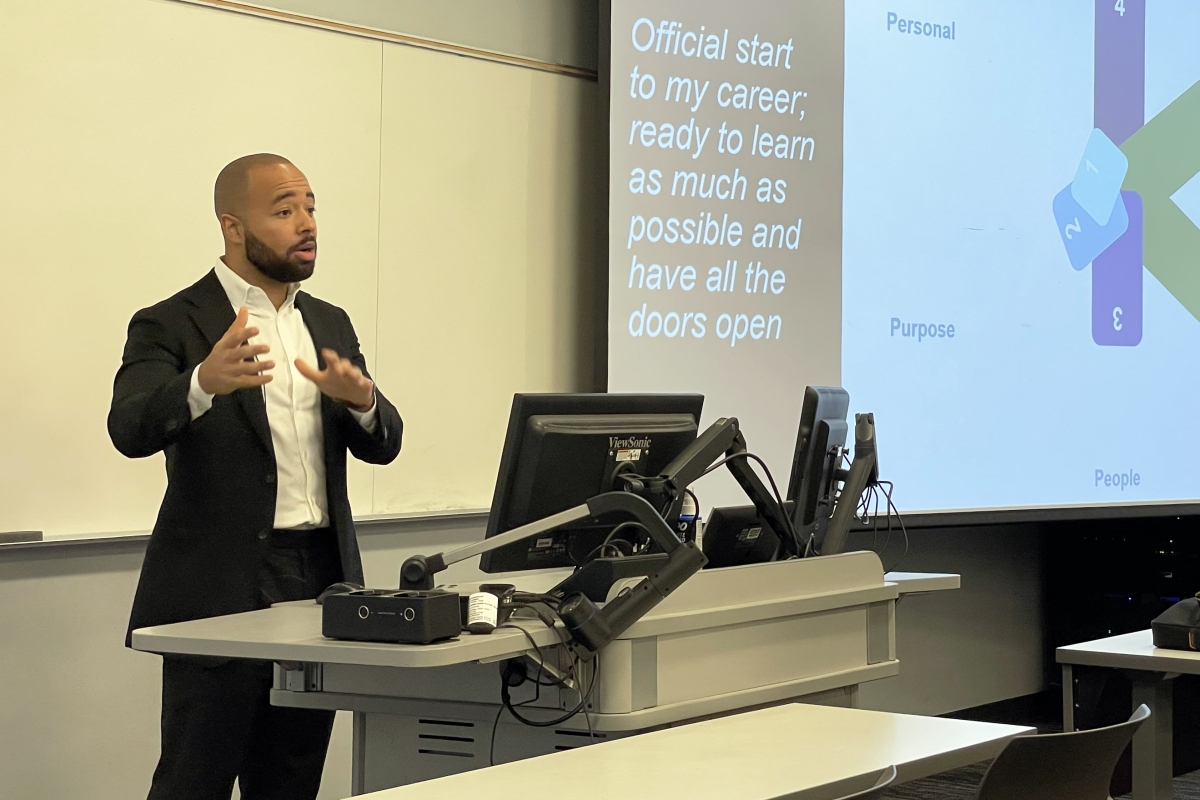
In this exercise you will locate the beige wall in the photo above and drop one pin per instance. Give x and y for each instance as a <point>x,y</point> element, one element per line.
<point>456,205</point>
<point>484,208</point>
<point>117,116</point>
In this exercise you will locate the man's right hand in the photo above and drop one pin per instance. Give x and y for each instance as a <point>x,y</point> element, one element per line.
<point>232,364</point>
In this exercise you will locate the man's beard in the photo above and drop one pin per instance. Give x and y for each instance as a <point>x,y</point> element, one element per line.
<point>274,266</point>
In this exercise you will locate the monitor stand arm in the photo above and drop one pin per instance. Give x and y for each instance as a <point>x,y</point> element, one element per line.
<point>765,505</point>
<point>724,438</point>
<point>417,571</point>
<point>592,627</point>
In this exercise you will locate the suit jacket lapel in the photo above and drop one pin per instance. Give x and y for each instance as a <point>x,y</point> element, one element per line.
<point>210,307</point>
<point>213,315</point>
<point>323,335</point>
<point>318,326</point>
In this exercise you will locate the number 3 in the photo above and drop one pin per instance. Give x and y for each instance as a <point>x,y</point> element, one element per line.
<point>1120,7</point>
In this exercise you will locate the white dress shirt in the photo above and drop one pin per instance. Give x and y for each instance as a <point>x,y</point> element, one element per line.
<point>293,403</point>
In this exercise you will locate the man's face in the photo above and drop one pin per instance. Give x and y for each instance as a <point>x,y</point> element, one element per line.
<point>279,223</point>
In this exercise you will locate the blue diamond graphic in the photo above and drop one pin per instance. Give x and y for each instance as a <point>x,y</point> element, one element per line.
<point>1187,197</point>
<point>1081,235</point>
<point>1097,183</point>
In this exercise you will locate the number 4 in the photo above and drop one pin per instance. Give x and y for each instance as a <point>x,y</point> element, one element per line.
<point>1120,7</point>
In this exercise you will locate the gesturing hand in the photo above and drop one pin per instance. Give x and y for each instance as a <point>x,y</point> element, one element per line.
<point>341,380</point>
<point>231,365</point>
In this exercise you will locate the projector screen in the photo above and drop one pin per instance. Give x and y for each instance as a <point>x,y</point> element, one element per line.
<point>981,218</point>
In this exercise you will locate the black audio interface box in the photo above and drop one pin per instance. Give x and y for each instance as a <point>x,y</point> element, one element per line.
<point>387,615</point>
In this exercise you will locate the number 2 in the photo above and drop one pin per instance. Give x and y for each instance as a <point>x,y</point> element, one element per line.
<point>1120,7</point>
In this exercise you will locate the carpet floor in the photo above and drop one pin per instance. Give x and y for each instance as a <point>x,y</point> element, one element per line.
<point>960,784</point>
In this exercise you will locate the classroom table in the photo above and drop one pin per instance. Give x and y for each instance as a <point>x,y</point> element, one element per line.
<point>795,751</point>
<point>1151,669</point>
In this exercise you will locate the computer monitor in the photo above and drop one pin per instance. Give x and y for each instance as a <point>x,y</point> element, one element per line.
<point>819,443</point>
<point>737,535</point>
<point>822,497</point>
<point>562,449</point>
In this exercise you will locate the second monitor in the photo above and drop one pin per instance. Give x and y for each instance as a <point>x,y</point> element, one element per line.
<point>820,440</point>
<point>822,497</point>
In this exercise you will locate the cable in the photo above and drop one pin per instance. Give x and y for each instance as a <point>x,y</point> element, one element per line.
<point>891,507</point>
<point>585,697</point>
<point>681,531</point>
<point>609,542</point>
<point>492,746</point>
<point>623,526</point>
<point>541,658</point>
<point>868,512</point>
<point>562,635</point>
<point>531,599</point>
<point>587,716</point>
<point>791,528</point>
<point>506,699</point>
<point>537,691</point>
<point>873,497</point>
<point>887,541</point>
<point>505,693</point>
<point>532,643</point>
<point>614,548</point>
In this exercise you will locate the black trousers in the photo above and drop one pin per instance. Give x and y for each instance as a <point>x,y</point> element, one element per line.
<point>217,720</point>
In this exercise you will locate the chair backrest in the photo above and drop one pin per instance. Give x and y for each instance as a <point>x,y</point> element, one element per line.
<point>875,792</point>
<point>1060,766</point>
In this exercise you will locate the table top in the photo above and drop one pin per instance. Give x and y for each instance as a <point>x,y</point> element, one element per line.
<point>1130,651</point>
<point>292,632</point>
<point>797,751</point>
<point>920,582</point>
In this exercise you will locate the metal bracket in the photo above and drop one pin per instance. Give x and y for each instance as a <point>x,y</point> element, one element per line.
<point>302,677</point>
<point>548,669</point>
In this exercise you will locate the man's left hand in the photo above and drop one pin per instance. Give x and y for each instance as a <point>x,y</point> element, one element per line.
<point>341,379</point>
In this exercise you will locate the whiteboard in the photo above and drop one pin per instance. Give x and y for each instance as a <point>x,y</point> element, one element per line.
<point>118,115</point>
<point>476,289</point>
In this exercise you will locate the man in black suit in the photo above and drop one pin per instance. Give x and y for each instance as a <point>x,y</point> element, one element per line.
<point>255,391</point>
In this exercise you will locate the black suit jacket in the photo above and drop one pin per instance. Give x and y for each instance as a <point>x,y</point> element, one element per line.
<point>210,538</point>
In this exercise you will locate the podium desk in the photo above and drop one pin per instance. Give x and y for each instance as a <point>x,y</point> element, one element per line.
<point>727,640</point>
<point>794,751</point>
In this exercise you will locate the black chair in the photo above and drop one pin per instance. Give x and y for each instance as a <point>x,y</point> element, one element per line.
<point>875,792</point>
<point>1060,766</point>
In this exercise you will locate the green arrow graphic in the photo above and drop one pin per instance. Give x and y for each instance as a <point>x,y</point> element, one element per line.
<point>1163,156</point>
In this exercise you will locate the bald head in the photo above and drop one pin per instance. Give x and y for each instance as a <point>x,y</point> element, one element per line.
<point>233,184</point>
<point>266,209</point>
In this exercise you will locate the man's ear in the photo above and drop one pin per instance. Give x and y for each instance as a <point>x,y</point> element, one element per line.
<point>232,230</point>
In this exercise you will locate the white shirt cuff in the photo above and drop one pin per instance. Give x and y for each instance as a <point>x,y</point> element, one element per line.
<point>365,418</point>
<point>199,401</point>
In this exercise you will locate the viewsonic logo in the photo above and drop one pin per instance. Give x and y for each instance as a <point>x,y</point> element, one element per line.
<point>617,443</point>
